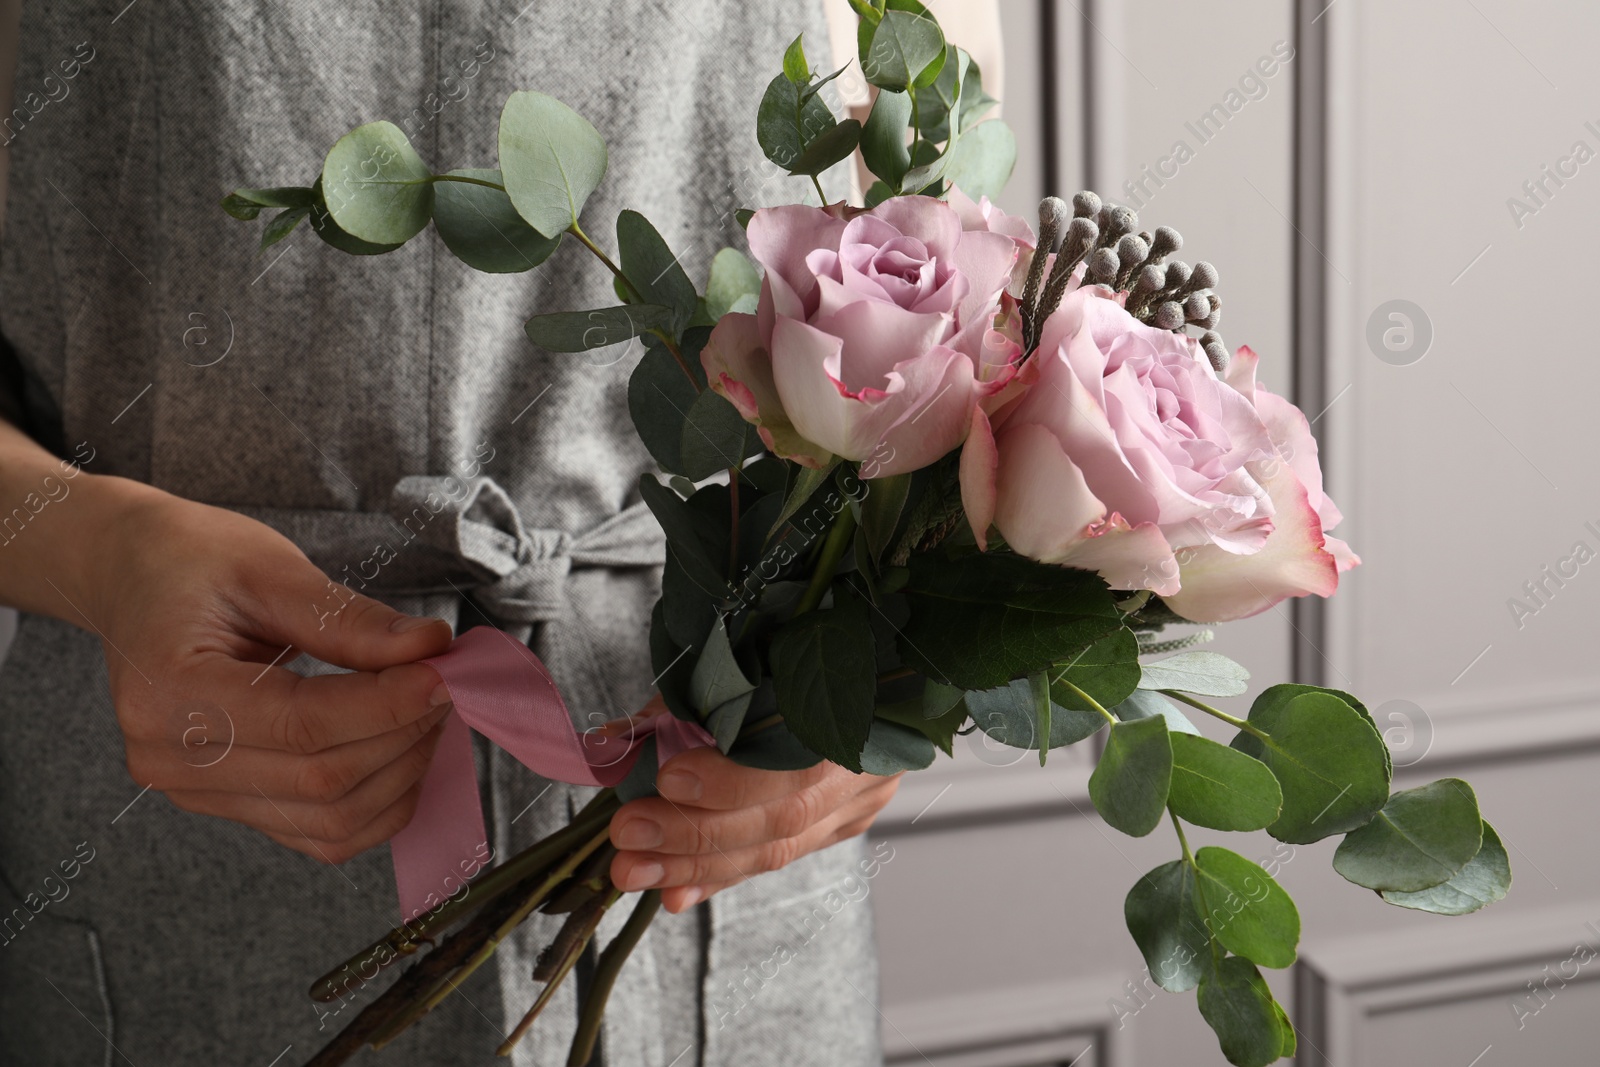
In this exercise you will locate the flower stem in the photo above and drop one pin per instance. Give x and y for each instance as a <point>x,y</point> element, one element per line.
<point>1232,720</point>
<point>820,194</point>
<point>404,939</point>
<point>833,550</point>
<point>605,976</point>
<point>584,926</point>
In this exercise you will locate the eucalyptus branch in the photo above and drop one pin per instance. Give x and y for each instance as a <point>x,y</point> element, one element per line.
<point>1094,704</point>
<point>1232,720</point>
<point>1199,890</point>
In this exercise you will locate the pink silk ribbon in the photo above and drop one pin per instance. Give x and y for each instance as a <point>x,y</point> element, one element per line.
<point>502,690</point>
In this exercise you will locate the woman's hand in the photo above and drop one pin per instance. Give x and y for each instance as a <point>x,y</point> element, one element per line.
<point>198,608</point>
<point>717,823</point>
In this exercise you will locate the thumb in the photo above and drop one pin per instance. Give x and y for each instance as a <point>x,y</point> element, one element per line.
<point>301,606</point>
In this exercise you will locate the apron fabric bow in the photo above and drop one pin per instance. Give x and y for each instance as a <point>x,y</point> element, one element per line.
<point>450,535</point>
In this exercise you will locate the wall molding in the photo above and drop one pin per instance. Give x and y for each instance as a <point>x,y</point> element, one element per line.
<point>1017,1026</point>
<point>1340,987</point>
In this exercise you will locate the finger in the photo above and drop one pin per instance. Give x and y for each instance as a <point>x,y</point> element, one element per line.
<point>679,899</point>
<point>656,824</point>
<point>390,822</point>
<point>278,709</point>
<point>337,823</point>
<point>298,605</point>
<point>706,778</point>
<point>321,777</point>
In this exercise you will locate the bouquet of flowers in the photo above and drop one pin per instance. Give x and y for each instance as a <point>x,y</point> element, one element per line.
<point>926,471</point>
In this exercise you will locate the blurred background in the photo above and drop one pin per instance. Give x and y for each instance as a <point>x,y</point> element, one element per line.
<point>1397,197</point>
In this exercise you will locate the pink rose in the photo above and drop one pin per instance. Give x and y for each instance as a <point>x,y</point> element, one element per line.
<point>1128,456</point>
<point>876,335</point>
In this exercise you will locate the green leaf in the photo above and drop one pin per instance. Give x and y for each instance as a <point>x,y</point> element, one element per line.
<point>981,161</point>
<point>1238,1006</point>
<point>652,269</point>
<point>785,127</point>
<point>826,672</point>
<point>376,186</point>
<point>808,482</point>
<point>481,228</point>
<point>717,677</point>
<point>282,225</point>
<point>671,664</point>
<point>1164,919</point>
<point>827,148</point>
<point>773,748</point>
<point>795,67</point>
<point>940,101</point>
<point>1328,758</point>
<point>1201,673</point>
<point>1484,880</point>
<point>1032,616</point>
<point>903,51</point>
<point>892,748</point>
<point>877,194</point>
<point>937,714</point>
<point>974,101</point>
<point>1107,670</point>
<point>1129,786</point>
<point>330,233</point>
<point>883,139</point>
<point>690,611</point>
<point>734,285</point>
<point>1009,714</point>
<point>715,437</point>
<point>640,781</point>
<point>881,510</point>
<point>552,159</point>
<point>1420,839</point>
<point>246,204</point>
<point>1250,914</point>
<point>1284,692</point>
<point>579,331</point>
<point>725,722</point>
<point>1142,704</point>
<point>695,539</point>
<point>1220,787</point>
<point>659,398</point>
<point>868,10</point>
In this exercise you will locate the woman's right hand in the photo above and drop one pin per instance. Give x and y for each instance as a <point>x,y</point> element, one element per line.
<point>198,608</point>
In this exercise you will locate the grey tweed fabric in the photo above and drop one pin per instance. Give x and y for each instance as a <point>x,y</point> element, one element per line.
<point>326,395</point>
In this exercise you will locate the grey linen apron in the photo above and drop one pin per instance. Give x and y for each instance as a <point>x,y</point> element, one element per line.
<point>390,417</point>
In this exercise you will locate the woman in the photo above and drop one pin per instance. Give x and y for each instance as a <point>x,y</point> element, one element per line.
<point>199,437</point>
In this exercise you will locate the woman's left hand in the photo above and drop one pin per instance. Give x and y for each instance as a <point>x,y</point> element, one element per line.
<point>717,823</point>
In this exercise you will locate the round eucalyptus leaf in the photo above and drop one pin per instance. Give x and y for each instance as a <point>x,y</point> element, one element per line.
<point>982,159</point>
<point>331,234</point>
<point>1107,670</point>
<point>1328,758</point>
<point>892,748</point>
<point>1245,909</point>
<point>1220,787</point>
<point>1420,839</point>
<point>1009,714</point>
<point>1239,1008</point>
<point>1129,785</point>
<point>483,230</point>
<point>735,284</point>
<point>904,49</point>
<point>1484,880</point>
<point>1206,674</point>
<point>376,186</point>
<point>552,159</point>
<point>1165,922</point>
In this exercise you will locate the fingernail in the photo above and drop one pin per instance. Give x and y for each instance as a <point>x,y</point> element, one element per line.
<point>694,895</point>
<point>406,623</point>
<point>639,833</point>
<point>680,785</point>
<point>644,876</point>
<point>439,697</point>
